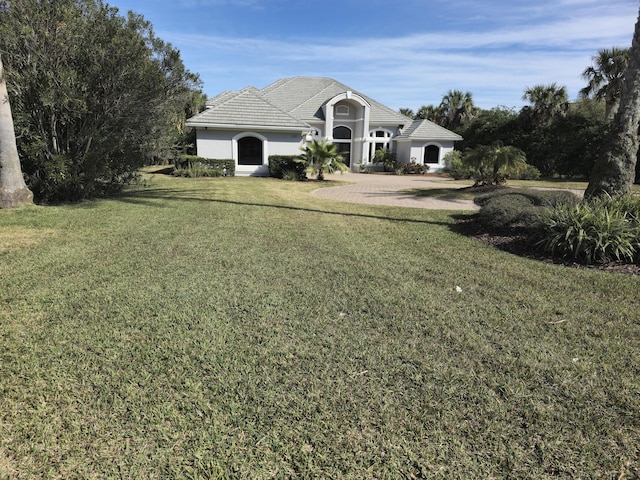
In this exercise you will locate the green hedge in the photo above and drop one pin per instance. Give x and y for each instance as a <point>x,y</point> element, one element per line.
<point>194,166</point>
<point>508,209</point>
<point>286,166</point>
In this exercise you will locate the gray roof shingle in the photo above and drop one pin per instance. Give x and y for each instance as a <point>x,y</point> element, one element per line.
<point>294,102</point>
<point>427,130</point>
<point>245,108</point>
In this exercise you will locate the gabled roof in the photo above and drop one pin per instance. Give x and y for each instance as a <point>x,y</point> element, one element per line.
<point>427,130</point>
<point>303,97</point>
<point>288,102</point>
<point>231,109</point>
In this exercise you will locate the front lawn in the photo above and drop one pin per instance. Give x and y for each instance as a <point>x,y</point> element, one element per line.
<point>243,328</point>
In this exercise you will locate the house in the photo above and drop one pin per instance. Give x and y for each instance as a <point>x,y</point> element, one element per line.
<point>251,124</point>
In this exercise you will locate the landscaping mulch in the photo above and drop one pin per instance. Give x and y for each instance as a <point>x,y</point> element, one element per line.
<point>518,244</point>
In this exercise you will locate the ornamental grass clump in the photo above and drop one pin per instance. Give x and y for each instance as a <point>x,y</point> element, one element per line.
<point>600,230</point>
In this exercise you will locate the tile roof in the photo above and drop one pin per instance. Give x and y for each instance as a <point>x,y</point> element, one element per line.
<point>245,108</point>
<point>427,130</point>
<point>303,97</point>
<point>290,102</point>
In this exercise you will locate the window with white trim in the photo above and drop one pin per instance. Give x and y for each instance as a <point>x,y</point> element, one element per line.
<point>380,139</point>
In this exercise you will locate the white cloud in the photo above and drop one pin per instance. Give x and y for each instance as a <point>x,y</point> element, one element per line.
<point>496,64</point>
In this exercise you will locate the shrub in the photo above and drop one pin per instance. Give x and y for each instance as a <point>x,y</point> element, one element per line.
<point>529,172</point>
<point>598,230</point>
<point>413,168</point>
<point>290,175</point>
<point>456,168</point>
<point>279,165</point>
<point>544,198</point>
<point>387,158</point>
<point>194,166</point>
<point>507,209</point>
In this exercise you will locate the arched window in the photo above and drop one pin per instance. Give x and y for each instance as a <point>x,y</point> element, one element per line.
<point>431,154</point>
<point>342,110</point>
<point>249,151</point>
<point>342,138</point>
<point>342,133</point>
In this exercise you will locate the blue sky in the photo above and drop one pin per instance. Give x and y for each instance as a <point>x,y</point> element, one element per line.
<point>404,54</point>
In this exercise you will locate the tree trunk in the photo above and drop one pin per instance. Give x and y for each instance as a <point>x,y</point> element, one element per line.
<point>614,171</point>
<point>13,190</point>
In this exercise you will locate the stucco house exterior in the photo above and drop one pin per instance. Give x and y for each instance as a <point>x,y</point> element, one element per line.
<point>250,124</point>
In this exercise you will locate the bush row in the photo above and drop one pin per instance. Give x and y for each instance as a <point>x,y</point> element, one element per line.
<point>194,166</point>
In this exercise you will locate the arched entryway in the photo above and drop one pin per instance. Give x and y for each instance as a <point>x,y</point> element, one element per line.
<point>250,151</point>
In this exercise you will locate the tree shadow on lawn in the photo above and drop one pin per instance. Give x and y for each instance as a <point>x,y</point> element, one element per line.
<point>146,197</point>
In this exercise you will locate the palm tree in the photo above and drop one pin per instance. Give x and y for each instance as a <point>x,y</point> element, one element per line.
<point>548,101</point>
<point>614,170</point>
<point>13,190</point>
<point>495,163</point>
<point>407,112</point>
<point>322,156</point>
<point>605,77</point>
<point>428,112</point>
<point>455,108</point>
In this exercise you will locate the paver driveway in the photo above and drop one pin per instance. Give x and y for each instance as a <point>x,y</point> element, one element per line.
<point>390,190</point>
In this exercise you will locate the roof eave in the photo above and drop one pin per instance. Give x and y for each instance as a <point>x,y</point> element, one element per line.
<point>229,126</point>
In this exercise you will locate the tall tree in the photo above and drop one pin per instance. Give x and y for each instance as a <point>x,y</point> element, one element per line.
<point>96,95</point>
<point>428,112</point>
<point>407,112</point>
<point>548,102</point>
<point>455,108</point>
<point>605,77</point>
<point>13,190</point>
<point>614,170</point>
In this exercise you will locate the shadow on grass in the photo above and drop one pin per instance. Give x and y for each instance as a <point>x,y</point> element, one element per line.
<point>146,197</point>
<point>441,193</point>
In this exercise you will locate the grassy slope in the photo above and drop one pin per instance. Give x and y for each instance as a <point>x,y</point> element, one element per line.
<point>243,328</point>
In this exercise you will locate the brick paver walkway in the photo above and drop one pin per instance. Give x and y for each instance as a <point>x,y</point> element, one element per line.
<point>393,190</point>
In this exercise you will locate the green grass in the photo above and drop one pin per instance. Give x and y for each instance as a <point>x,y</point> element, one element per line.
<point>243,328</point>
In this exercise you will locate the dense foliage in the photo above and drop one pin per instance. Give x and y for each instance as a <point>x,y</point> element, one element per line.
<point>602,229</point>
<point>287,166</point>
<point>95,95</point>
<point>505,210</point>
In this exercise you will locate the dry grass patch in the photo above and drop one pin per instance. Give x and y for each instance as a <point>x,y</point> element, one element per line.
<point>14,238</point>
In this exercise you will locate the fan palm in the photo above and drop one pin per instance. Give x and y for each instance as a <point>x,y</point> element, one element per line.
<point>548,101</point>
<point>455,108</point>
<point>322,156</point>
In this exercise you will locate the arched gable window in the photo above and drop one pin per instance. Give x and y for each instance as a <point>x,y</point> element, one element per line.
<point>342,110</point>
